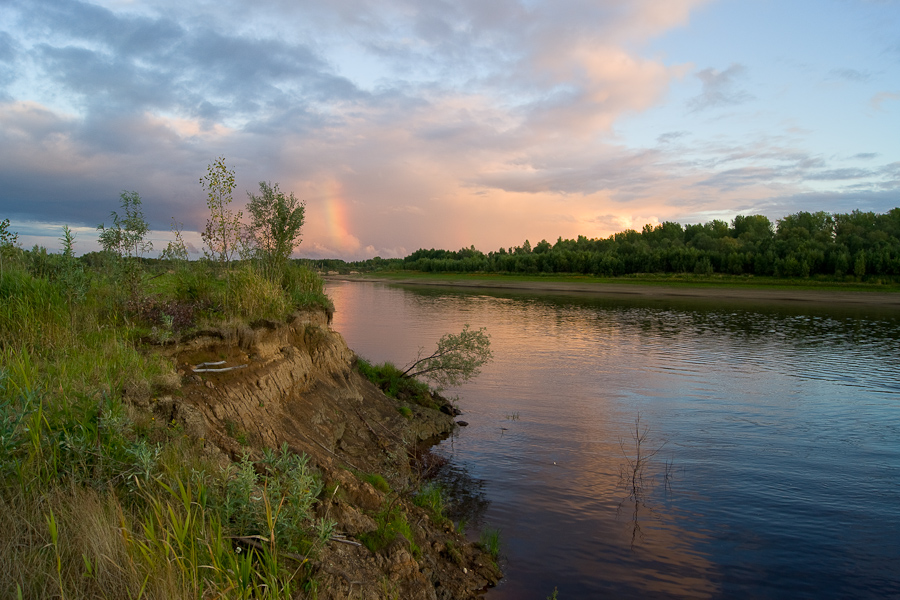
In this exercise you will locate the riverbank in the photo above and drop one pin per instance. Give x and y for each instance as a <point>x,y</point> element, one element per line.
<point>685,290</point>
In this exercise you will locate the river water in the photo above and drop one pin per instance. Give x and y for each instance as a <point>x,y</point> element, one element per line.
<point>771,437</point>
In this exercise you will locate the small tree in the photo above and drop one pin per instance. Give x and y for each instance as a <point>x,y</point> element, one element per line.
<point>70,272</point>
<point>223,228</point>
<point>176,250</point>
<point>8,241</point>
<point>126,236</point>
<point>126,240</point>
<point>457,359</point>
<point>274,231</point>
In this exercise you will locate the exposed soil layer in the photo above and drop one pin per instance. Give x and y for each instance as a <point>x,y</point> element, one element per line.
<point>294,383</point>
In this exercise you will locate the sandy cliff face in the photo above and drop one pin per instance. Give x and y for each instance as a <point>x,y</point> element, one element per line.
<point>294,383</point>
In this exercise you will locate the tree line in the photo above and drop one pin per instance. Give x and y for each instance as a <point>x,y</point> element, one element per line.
<point>856,244</point>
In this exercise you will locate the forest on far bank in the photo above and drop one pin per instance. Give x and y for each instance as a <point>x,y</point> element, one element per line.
<point>857,245</point>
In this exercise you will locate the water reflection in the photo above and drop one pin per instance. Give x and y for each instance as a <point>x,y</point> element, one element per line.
<point>782,425</point>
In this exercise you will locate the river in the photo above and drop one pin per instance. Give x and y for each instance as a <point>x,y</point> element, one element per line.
<point>771,437</point>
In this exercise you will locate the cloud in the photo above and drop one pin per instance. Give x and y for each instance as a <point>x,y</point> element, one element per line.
<point>671,136</point>
<point>882,97</point>
<point>720,88</point>
<point>851,75</point>
<point>402,124</point>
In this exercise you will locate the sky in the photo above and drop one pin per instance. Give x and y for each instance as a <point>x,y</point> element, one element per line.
<point>445,124</point>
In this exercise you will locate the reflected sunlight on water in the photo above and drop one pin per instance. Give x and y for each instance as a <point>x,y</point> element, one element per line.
<point>780,426</point>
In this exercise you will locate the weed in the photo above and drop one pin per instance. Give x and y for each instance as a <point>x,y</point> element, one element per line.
<point>391,524</point>
<point>512,417</point>
<point>431,498</point>
<point>490,541</point>
<point>378,482</point>
<point>234,431</point>
<point>391,381</point>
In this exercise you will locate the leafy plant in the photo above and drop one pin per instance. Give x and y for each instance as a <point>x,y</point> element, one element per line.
<point>126,235</point>
<point>223,227</point>
<point>126,239</point>
<point>176,250</point>
<point>378,482</point>
<point>274,230</point>
<point>457,359</point>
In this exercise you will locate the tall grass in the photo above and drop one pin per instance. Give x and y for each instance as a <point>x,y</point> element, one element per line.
<point>94,503</point>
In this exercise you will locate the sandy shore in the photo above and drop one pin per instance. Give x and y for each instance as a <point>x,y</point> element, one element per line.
<point>649,291</point>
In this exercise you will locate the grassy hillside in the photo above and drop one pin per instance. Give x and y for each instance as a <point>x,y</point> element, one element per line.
<point>97,498</point>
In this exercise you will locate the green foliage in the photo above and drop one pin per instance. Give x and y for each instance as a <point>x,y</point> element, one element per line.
<point>126,235</point>
<point>101,501</point>
<point>279,502</point>
<point>223,227</point>
<point>8,239</point>
<point>176,250</point>
<point>378,482</point>
<point>800,245</point>
<point>431,497</point>
<point>252,296</point>
<point>304,287</point>
<point>125,239</point>
<point>275,223</point>
<point>391,524</point>
<point>392,382</point>
<point>490,541</point>
<point>457,359</point>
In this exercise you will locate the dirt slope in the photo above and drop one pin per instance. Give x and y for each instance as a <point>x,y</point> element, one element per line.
<point>295,384</point>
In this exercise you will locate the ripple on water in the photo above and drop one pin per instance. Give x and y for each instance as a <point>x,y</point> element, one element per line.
<point>778,434</point>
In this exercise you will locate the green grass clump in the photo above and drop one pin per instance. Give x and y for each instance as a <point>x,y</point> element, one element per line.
<point>431,498</point>
<point>391,523</point>
<point>490,541</point>
<point>304,287</point>
<point>378,482</point>
<point>391,381</point>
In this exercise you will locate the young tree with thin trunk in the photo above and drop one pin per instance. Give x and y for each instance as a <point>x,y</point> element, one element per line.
<point>223,227</point>
<point>274,231</point>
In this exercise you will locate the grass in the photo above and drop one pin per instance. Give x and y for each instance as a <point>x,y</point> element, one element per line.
<point>97,499</point>
<point>655,279</point>
<point>377,481</point>
<point>431,497</point>
<point>392,523</point>
<point>489,540</point>
<point>391,381</point>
